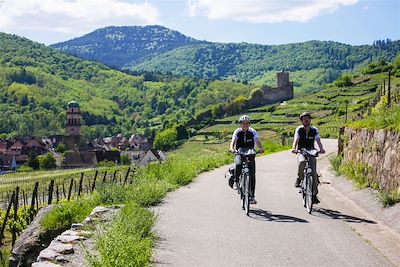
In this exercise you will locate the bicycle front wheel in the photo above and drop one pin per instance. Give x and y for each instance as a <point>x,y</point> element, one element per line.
<point>246,197</point>
<point>309,193</point>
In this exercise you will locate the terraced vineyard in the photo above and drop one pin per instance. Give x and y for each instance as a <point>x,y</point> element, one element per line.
<point>328,108</point>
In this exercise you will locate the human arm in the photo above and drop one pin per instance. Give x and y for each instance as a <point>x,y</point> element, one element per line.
<point>232,145</point>
<point>321,148</point>
<point>260,148</point>
<point>296,141</point>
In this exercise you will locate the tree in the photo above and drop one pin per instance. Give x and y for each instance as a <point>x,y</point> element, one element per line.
<point>47,162</point>
<point>33,161</point>
<point>166,139</point>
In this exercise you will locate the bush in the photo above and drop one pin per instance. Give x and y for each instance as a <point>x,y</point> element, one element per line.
<point>47,162</point>
<point>25,168</point>
<point>106,163</point>
<point>336,163</point>
<point>166,139</point>
<point>60,148</point>
<point>125,160</point>
<point>63,215</point>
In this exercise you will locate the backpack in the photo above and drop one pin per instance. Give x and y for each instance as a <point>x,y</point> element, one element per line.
<point>230,175</point>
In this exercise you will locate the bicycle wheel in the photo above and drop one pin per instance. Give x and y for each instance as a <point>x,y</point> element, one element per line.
<point>246,198</point>
<point>303,191</point>
<point>309,193</point>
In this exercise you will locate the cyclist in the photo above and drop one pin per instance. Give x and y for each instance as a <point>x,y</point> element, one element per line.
<point>245,137</point>
<point>304,137</point>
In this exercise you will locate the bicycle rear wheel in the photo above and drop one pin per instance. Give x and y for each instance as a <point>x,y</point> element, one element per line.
<point>309,193</point>
<point>246,198</point>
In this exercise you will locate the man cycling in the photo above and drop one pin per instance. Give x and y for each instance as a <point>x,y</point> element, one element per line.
<point>304,137</point>
<point>245,137</point>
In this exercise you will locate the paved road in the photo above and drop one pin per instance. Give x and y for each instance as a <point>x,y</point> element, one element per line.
<point>203,225</point>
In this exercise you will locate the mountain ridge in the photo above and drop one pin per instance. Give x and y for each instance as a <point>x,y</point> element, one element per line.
<point>185,56</point>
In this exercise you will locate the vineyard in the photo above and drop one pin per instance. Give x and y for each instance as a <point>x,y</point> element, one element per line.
<point>23,195</point>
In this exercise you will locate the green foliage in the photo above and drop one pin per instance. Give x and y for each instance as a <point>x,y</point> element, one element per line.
<point>64,214</point>
<point>33,162</point>
<point>389,198</point>
<point>125,160</point>
<point>358,173</point>
<point>336,163</point>
<point>128,241</point>
<point>25,168</point>
<point>249,61</point>
<point>60,148</point>
<point>166,139</point>
<point>47,162</point>
<point>106,163</point>
<point>343,81</point>
<point>381,118</point>
<point>35,89</point>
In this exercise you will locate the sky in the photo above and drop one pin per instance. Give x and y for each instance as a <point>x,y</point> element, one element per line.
<point>269,22</point>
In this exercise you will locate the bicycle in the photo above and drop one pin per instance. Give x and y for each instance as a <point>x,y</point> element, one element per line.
<point>307,184</point>
<point>247,156</point>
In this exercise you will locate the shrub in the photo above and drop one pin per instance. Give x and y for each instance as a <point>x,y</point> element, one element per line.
<point>63,215</point>
<point>25,168</point>
<point>106,163</point>
<point>125,160</point>
<point>47,162</point>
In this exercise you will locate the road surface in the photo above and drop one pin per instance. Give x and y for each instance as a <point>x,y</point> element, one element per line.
<point>203,224</point>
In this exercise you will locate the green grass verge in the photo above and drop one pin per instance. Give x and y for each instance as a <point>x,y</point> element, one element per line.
<point>357,173</point>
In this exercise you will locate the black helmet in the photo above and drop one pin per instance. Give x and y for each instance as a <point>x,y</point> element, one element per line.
<point>305,114</point>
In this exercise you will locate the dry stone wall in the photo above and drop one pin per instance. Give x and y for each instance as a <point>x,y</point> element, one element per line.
<point>380,150</point>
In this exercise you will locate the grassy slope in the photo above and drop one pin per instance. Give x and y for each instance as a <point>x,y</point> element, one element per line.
<point>327,107</point>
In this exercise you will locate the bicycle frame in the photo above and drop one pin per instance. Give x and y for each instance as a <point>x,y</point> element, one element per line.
<point>244,178</point>
<point>307,188</point>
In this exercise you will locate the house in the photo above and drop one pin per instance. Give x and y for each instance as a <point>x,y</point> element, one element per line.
<point>84,159</point>
<point>88,159</point>
<point>150,156</point>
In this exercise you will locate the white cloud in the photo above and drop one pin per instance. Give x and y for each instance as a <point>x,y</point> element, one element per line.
<point>73,16</point>
<point>264,11</point>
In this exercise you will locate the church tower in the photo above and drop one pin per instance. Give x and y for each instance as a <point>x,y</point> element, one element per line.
<point>73,127</point>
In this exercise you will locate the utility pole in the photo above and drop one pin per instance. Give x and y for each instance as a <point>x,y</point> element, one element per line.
<point>347,104</point>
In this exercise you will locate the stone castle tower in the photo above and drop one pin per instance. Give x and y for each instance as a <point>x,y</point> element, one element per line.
<point>73,127</point>
<point>284,84</point>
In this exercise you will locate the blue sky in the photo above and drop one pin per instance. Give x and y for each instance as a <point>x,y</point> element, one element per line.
<point>252,21</point>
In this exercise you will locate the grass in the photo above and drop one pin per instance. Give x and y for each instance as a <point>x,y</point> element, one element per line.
<point>358,173</point>
<point>381,118</point>
<point>328,107</point>
<point>128,240</point>
<point>389,198</point>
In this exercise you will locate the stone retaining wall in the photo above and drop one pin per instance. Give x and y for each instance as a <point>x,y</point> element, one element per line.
<point>380,150</point>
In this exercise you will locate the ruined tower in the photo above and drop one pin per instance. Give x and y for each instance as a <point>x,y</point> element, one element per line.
<point>284,84</point>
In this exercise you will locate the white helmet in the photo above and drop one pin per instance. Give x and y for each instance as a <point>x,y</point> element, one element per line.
<point>244,118</point>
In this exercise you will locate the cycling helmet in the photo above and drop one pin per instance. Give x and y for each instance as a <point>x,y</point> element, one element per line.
<point>305,114</point>
<point>244,118</point>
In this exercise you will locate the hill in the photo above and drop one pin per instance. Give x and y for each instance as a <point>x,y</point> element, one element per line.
<point>37,82</point>
<point>122,46</point>
<point>328,107</point>
<point>158,49</point>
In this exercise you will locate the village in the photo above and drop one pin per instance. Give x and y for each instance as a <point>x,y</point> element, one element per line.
<point>72,150</point>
